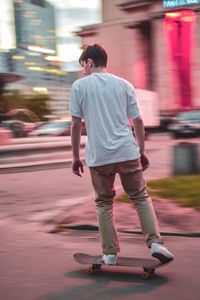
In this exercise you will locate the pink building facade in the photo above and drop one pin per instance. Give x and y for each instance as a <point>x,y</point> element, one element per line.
<point>156,48</point>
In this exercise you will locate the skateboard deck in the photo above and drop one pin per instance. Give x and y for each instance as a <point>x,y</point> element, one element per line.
<point>148,265</point>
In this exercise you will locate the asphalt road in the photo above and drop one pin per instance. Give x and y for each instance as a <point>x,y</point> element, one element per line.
<point>37,265</point>
<point>31,196</point>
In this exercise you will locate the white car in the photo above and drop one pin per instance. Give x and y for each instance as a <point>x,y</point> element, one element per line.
<point>53,128</point>
<point>186,124</point>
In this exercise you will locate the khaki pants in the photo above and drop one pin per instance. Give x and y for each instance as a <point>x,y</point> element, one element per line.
<point>132,180</point>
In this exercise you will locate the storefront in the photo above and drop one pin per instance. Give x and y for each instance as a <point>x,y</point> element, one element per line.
<point>155,45</point>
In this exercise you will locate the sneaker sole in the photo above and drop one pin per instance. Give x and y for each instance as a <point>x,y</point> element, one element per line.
<point>109,264</point>
<point>162,258</point>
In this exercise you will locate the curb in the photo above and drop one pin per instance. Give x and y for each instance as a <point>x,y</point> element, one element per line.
<point>88,227</point>
<point>35,166</point>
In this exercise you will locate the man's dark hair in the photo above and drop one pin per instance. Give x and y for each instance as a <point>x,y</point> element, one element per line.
<point>95,52</point>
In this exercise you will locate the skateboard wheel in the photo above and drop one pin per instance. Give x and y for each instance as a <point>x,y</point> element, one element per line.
<point>91,271</point>
<point>145,275</point>
<point>96,267</point>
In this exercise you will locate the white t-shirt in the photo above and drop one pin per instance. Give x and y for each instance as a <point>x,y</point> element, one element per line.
<point>106,103</point>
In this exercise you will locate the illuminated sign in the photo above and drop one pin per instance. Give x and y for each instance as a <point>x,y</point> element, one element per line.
<point>40,49</point>
<point>175,3</point>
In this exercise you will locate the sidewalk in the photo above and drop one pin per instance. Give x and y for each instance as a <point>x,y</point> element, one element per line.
<point>27,154</point>
<point>173,219</point>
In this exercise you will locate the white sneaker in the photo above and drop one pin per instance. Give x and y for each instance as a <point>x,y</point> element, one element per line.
<point>110,259</point>
<point>160,252</point>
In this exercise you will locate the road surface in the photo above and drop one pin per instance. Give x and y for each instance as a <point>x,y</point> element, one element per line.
<point>37,265</point>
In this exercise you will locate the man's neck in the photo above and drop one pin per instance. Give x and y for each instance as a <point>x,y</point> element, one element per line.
<point>99,70</point>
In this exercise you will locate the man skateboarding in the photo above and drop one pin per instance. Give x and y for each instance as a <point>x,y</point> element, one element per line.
<point>106,103</point>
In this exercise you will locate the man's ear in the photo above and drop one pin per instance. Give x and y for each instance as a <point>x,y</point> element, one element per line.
<point>90,61</point>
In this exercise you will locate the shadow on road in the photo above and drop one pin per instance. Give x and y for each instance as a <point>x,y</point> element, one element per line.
<point>108,284</point>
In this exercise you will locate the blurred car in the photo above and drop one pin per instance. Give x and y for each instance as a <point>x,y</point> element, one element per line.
<point>166,119</point>
<point>18,128</point>
<point>56,128</point>
<point>186,124</point>
<point>53,128</point>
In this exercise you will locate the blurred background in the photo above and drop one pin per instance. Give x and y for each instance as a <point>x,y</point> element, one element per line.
<point>39,59</point>
<point>156,48</point>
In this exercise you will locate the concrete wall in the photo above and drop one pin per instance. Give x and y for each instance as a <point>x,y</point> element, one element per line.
<point>110,10</point>
<point>163,70</point>
<point>195,63</point>
<point>146,64</point>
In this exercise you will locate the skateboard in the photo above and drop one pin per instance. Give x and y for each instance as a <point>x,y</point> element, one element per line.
<point>148,265</point>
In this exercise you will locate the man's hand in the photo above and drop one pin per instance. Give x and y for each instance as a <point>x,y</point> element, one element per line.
<point>77,167</point>
<point>144,161</point>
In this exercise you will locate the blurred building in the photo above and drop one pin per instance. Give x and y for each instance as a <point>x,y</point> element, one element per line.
<point>33,53</point>
<point>155,45</point>
<point>4,61</point>
<point>43,75</point>
<point>35,25</point>
<point>7,28</point>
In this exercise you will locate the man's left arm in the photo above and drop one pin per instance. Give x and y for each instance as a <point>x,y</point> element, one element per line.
<point>77,164</point>
<point>140,136</point>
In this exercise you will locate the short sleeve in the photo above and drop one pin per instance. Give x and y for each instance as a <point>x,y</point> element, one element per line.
<point>133,109</point>
<point>75,109</point>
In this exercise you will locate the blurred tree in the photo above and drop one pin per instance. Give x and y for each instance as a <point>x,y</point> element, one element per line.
<point>38,104</point>
<point>12,99</point>
<point>6,78</point>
